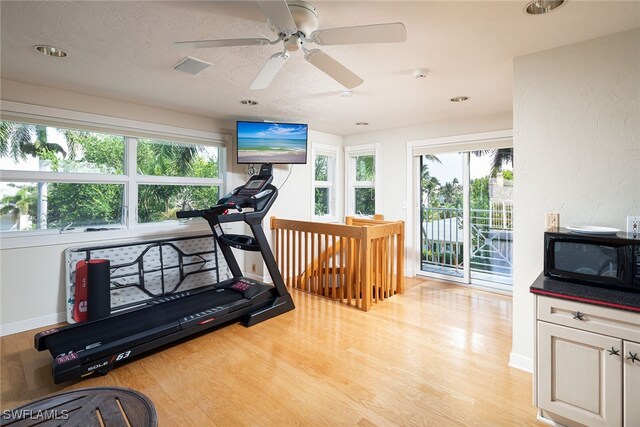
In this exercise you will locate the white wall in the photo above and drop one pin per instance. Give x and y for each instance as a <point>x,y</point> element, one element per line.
<point>576,149</point>
<point>75,101</point>
<point>32,290</point>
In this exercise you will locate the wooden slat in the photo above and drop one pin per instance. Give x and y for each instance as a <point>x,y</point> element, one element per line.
<point>307,283</point>
<point>334,275</point>
<point>313,284</point>
<point>389,265</point>
<point>319,270</point>
<point>280,257</point>
<point>327,276</point>
<point>290,256</point>
<point>287,259</point>
<point>366,272</point>
<point>343,268</point>
<point>358,269</point>
<point>300,264</point>
<point>276,244</point>
<point>375,284</point>
<point>349,270</point>
<point>400,260</point>
<point>383,269</point>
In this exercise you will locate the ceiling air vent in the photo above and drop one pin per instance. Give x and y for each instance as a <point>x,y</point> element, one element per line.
<point>191,65</point>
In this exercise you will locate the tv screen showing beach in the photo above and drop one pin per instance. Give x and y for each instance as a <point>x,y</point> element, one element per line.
<point>260,142</point>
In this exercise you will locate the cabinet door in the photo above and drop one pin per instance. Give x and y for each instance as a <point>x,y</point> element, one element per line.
<point>578,378</point>
<point>631,381</point>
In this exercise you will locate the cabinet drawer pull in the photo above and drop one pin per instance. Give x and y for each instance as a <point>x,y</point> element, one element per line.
<point>578,315</point>
<point>633,357</point>
<point>614,352</point>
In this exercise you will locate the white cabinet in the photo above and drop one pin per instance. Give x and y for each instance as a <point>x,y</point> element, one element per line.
<point>631,384</point>
<point>585,372</point>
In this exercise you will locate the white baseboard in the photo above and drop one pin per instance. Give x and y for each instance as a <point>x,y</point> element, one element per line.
<point>36,322</point>
<point>521,362</point>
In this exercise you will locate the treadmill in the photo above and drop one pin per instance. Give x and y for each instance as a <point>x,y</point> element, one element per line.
<point>83,349</point>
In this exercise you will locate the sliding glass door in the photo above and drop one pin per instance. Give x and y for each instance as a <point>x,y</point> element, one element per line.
<point>466,216</point>
<point>442,216</point>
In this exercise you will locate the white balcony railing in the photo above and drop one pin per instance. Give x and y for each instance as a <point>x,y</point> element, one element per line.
<point>491,241</point>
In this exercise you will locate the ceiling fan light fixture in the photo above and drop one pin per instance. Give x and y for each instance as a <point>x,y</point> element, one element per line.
<point>248,102</point>
<point>50,51</point>
<point>539,7</point>
<point>459,99</point>
<point>346,93</point>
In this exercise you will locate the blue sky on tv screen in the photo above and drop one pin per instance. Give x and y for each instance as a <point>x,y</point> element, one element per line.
<point>271,131</point>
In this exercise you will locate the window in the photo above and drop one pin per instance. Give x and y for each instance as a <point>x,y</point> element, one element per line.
<point>324,178</point>
<point>69,179</point>
<point>361,184</point>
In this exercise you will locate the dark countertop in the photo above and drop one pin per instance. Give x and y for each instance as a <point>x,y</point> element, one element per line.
<point>605,297</point>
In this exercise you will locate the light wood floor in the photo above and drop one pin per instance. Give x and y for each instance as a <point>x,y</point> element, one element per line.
<point>436,355</point>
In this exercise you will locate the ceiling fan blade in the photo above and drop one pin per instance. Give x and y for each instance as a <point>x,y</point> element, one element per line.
<point>269,71</point>
<point>376,33</point>
<point>333,68</point>
<point>279,15</point>
<point>200,44</point>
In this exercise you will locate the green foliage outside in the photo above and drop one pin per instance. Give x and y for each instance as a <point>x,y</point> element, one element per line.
<point>322,202</point>
<point>365,198</point>
<point>93,204</point>
<point>23,202</point>
<point>321,195</point>
<point>449,195</point>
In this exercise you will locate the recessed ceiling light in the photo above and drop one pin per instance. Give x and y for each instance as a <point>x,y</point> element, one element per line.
<point>249,102</point>
<point>346,93</point>
<point>50,51</point>
<point>459,99</point>
<point>539,7</point>
<point>362,124</point>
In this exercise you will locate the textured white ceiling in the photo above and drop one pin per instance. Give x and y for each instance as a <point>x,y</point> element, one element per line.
<point>123,50</point>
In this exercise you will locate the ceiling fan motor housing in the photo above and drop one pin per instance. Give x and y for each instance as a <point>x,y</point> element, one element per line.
<point>304,15</point>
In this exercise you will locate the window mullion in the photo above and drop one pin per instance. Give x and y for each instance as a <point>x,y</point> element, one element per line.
<point>70,177</point>
<point>131,170</point>
<point>177,180</point>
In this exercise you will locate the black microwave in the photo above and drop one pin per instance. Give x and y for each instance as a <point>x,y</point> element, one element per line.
<point>601,260</point>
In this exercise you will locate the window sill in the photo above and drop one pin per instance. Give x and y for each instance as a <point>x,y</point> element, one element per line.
<point>150,231</point>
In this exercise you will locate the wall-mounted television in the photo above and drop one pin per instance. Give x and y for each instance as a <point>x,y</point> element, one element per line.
<point>267,142</point>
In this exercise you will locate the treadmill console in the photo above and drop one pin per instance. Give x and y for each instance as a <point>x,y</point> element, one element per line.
<point>257,182</point>
<point>254,186</point>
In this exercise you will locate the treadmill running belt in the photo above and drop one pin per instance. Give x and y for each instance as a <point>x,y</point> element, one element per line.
<point>127,324</point>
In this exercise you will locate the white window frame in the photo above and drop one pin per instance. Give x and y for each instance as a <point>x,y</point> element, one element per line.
<point>351,152</point>
<point>332,183</point>
<point>132,130</point>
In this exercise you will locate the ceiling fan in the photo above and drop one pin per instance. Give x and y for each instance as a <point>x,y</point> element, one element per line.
<point>296,24</point>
